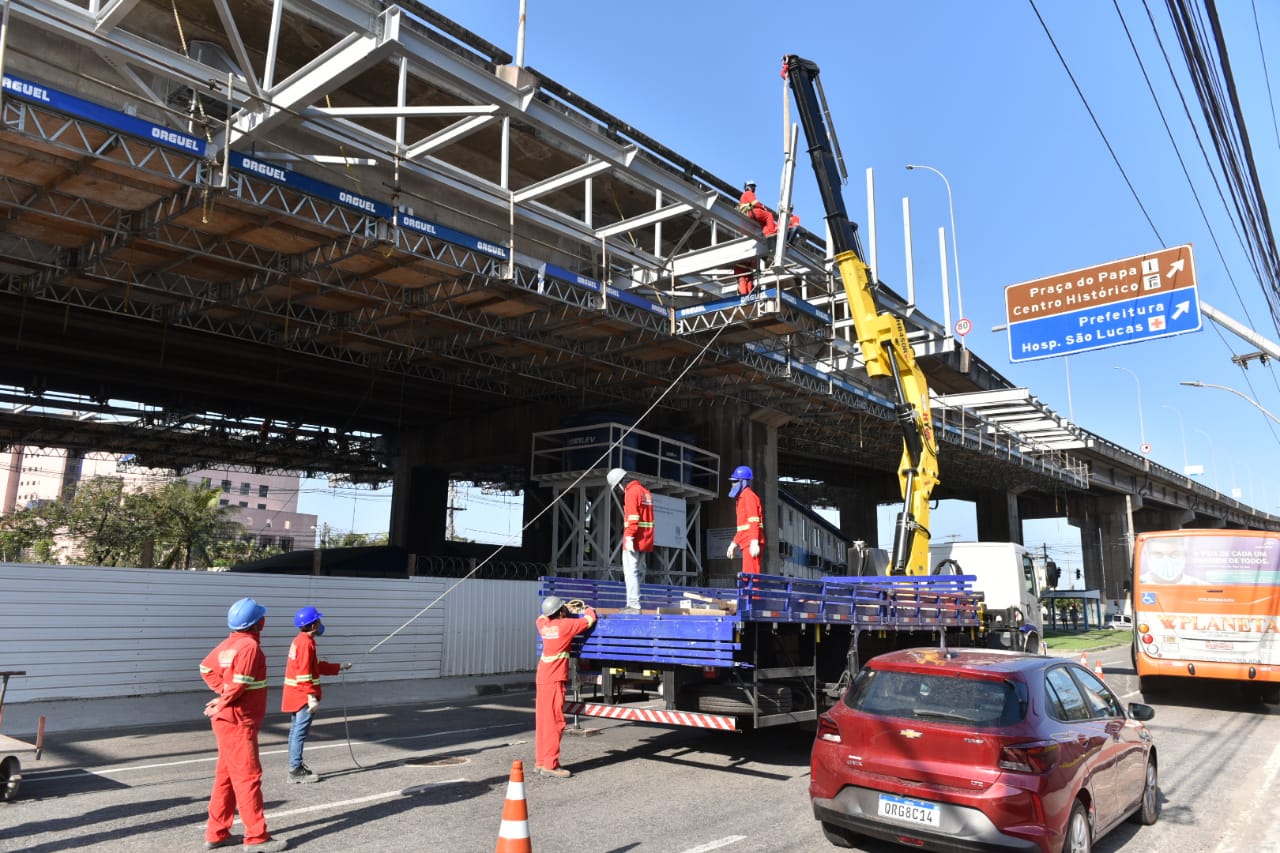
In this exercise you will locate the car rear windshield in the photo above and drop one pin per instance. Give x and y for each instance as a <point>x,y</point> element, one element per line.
<point>936,698</point>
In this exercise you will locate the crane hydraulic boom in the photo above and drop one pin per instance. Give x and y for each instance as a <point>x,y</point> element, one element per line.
<point>882,336</point>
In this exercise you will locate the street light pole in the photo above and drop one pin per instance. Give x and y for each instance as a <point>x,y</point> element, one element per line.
<point>1241,394</point>
<point>1142,427</point>
<point>1213,458</point>
<point>955,249</point>
<point>1183,430</point>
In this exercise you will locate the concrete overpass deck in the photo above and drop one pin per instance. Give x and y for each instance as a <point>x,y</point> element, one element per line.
<point>292,240</point>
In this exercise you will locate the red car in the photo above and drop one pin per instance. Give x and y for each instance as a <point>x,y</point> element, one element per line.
<point>981,749</point>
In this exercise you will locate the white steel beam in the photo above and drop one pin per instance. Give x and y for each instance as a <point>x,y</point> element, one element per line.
<point>349,57</point>
<point>560,181</point>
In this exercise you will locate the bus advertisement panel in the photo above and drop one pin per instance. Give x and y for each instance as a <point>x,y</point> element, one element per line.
<point>1205,605</point>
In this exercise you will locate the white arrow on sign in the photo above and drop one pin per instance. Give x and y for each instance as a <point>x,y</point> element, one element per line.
<point>1176,267</point>
<point>1180,309</point>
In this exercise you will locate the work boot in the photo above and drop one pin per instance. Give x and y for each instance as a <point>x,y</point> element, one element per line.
<point>303,773</point>
<point>271,845</point>
<point>558,772</point>
<point>229,841</point>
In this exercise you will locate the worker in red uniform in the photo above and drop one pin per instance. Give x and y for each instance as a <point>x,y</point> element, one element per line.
<point>302,690</point>
<point>637,532</point>
<point>750,534</point>
<point>237,671</point>
<point>752,206</point>
<point>557,627</point>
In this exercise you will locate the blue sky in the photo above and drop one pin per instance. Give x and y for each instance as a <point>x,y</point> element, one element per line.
<point>1043,180</point>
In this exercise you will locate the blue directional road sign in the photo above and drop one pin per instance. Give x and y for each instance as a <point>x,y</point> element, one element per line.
<point>1121,302</point>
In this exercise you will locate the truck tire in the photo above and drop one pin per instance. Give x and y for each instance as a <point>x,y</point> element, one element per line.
<point>732,699</point>
<point>10,778</point>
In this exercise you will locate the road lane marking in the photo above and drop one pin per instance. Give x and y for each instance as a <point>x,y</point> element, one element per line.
<point>371,798</point>
<point>129,768</point>
<point>717,844</point>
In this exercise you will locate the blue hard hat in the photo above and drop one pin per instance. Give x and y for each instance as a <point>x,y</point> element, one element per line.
<point>742,472</point>
<point>306,616</point>
<point>245,613</point>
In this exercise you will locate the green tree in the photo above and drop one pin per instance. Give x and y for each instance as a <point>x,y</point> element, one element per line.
<point>103,520</point>
<point>27,534</point>
<point>189,524</point>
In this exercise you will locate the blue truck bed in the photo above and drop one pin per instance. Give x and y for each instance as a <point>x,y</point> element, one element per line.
<point>692,631</point>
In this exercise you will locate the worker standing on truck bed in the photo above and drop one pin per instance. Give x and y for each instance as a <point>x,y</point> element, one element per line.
<point>557,626</point>
<point>637,532</point>
<point>750,533</point>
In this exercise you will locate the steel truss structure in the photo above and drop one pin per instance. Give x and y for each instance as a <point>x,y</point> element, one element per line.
<point>353,216</point>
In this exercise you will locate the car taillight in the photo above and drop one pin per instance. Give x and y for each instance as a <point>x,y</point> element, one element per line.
<point>828,730</point>
<point>1038,757</point>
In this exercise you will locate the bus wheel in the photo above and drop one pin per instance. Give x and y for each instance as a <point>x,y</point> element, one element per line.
<point>1268,694</point>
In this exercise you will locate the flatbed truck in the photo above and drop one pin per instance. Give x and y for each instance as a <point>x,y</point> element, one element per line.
<point>770,651</point>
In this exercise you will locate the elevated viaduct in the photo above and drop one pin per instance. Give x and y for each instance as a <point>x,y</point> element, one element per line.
<point>353,237</point>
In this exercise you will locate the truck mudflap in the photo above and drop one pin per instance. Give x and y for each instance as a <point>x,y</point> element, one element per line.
<point>656,716</point>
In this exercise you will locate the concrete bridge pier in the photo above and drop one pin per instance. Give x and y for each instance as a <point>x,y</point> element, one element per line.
<point>741,435</point>
<point>997,516</point>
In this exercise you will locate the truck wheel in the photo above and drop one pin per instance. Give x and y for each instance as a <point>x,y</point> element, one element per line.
<point>10,779</point>
<point>732,699</point>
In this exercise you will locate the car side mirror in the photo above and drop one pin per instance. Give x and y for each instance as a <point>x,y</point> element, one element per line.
<point>1141,712</point>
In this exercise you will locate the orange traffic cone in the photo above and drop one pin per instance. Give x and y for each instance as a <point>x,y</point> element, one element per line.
<point>1097,669</point>
<point>1084,659</point>
<point>513,834</point>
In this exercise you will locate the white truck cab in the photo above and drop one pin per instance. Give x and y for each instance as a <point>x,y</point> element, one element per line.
<point>1006,575</point>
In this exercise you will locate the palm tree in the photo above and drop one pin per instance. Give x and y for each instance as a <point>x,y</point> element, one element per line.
<point>189,524</point>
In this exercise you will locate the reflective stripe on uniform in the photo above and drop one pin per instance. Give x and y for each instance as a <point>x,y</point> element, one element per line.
<point>248,682</point>
<point>554,658</point>
<point>294,682</point>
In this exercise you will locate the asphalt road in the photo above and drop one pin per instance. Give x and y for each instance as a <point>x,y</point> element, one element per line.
<point>433,777</point>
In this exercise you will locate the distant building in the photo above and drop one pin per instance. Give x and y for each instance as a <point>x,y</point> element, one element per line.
<point>809,546</point>
<point>266,504</point>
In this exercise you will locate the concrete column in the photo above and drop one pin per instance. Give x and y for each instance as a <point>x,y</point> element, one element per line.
<point>742,436</point>
<point>1111,537</point>
<point>997,516</point>
<point>859,517</point>
<point>409,451</point>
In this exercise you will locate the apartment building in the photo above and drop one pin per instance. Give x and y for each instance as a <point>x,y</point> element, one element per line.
<point>266,504</point>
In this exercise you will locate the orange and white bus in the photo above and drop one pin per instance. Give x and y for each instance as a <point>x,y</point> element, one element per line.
<point>1206,604</point>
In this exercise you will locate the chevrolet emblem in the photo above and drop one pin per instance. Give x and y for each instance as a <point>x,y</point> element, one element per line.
<point>910,733</point>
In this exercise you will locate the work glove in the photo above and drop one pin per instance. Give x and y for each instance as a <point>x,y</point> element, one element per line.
<point>754,548</point>
<point>628,544</point>
<point>346,666</point>
<point>312,702</point>
<point>733,547</point>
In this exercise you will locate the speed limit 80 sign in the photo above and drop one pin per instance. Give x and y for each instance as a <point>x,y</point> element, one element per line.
<point>963,326</point>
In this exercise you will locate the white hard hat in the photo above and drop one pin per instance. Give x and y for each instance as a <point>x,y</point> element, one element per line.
<point>551,605</point>
<point>615,476</point>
